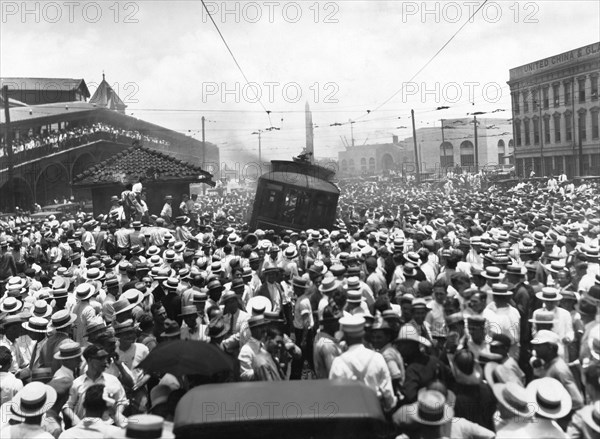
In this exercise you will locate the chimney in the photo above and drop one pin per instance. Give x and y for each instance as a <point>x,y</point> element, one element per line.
<point>395,140</point>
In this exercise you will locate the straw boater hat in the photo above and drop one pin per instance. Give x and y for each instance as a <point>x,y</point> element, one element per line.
<point>496,373</point>
<point>501,290</point>
<point>36,324</point>
<point>11,305</point>
<point>542,316</point>
<point>549,294</point>
<point>145,426</point>
<point>67,350</point>
<point>258,305</point>
<point>33,400</point>
<point>41,309</point>
<point>353,325</point>
<point>189,310</point>
<point>62,319</point>
<point>492,273</point>
<point>94,274</point>
<point>513,398</point>
<point>84,291</point>
<point>432,409</point>
<point>409,333</point>
<point>591,417</point>
<point>329,284</point>
<point>551,398</point>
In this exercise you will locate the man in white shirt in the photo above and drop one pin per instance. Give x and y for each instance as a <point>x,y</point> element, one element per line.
<point>563,322</point>
<point>97,361</point>
<point>92,425</point>
<point>9,384</point>
<point>252,348</point>
<point>502,318</point>
<point>362,364</point>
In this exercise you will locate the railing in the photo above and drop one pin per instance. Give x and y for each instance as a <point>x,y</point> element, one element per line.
<point>47,149</point>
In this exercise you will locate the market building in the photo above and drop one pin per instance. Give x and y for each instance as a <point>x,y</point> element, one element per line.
<point>53,142</point>
<point>555,114</point>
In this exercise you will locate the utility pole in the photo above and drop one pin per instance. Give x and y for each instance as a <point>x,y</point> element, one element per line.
<point>9,151</point>
<point>203,154</point>
<point>443,147</point>
<point>351,131</point>
<point>476,145</point>
<point>541,134</point>
<point>412,115</point>
<point>259,132</point>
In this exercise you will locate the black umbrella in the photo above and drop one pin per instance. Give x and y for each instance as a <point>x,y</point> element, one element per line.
<point>187,357</point>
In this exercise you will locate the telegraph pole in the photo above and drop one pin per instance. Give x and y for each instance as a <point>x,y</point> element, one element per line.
<point>203,154</point>
<point>9,151</point>
<point>476,145</point>
<point>418,179</point>
<point>541,134</point>
<point>351,131</point>
<point>259,132</point>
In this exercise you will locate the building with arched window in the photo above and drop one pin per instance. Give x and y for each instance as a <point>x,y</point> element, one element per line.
<point>555,111</point>
<point>376,159</point>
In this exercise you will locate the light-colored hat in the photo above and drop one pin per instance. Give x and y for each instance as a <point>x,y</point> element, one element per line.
<point>410,333</point>
<point>493,273</point>
<point>146,426</point>
<point>33,400</point>
<point>11,305</point>
<point>549,294</point>
<point>542,316</point>
<point>258,305</point>
<point>84,291</point>
<point>329,284</point>
<point>545,336</point>
<point>432,409</point>
<point>68,349</point>
<point>353,325</point>
<point>591,416</point>
<point>62,319</point>
<point>513,397</point>
<point>550,397</point>
<point>36,324</point>
<point>501,290</point>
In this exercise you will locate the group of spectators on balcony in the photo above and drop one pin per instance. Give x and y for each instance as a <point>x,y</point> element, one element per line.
<point>56,140</point>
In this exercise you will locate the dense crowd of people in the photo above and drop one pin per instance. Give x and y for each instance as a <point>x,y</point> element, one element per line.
<point>469,313</point>
<point>58,140</point>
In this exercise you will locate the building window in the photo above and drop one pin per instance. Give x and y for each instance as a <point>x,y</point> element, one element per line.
<point>525,102</point>
<point>351,165</point>
<point>520,167</point>
<point>446,155</point>
<point>547,129</point>
<point>581,86</point>
<point>518,132</point>
<point>567,86</point>
<point>372,164</point>
<point>515,99</point>
<point>568,127</point>
<point>501,152</point>
<point>535,97</point>
<point>557,128</point>
<point>344,165</point>
<point>556,94</point>
<point>545,98</point>
<point>594,87</point>
<point>363,164</point>
<point>582,126</point>
<point>467,154</point>
<point>536,131</point>
<point>594,124</point>
<point>527,133</point>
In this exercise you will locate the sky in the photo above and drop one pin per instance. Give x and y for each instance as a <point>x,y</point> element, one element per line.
<point>349,60</point>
